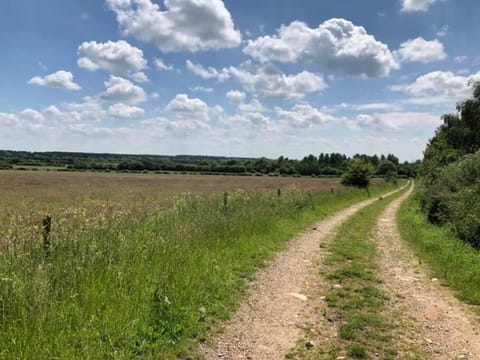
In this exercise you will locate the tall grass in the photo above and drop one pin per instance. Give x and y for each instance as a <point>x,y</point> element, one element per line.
<point>453,261</point>
<point>149,287</point>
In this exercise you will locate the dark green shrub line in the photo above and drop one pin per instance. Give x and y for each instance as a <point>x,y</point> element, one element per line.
<point>455,262</point>
<point>148,289</point>
<point>450,172</point>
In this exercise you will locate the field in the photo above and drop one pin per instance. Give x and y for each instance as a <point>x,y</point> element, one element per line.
<point>140,265</point>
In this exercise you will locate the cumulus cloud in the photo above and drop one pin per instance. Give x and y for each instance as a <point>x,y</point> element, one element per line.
<point>139,77</point>
<point>124,111</point>
<point>118,89</point>
<point>416,5</point>
<point>336,45</point>
<point>119,58</point>
<point>8,120</point>
<point>188,114</point>
<point>160,65</point>
<point>31,115</point>
<point>269,81</point>
<point>201,89</point>
<point>208,73</point>
<point>303,116</point>
<point>421,50</point>
<point>191,25</point>
<point>439,86</point>
<point>89,109</point>
<point>236,97</point>
<point>396,121</point>
<point>60,79</point>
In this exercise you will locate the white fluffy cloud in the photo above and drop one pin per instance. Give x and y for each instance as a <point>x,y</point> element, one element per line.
<point>118,89</point>
<point>31,115</point>
<point>440,85</point>
<point>269,81</point>
<point>397,121</point>
<point>336,45</point>
<point>123,111</point>
<point>303,116</point>
<point>60,79</point>
<point>208,73</point>
<point>88,110</point>
<point>8,119</point>
<point>139,77</point>
<point>160,65</point>
<point>416,5</point>
<point>236,97</point>
<point>119,58</point>
<point>188,114</point>
<point>191,25</point>
<point>201,89</point>
<point>421,50</point>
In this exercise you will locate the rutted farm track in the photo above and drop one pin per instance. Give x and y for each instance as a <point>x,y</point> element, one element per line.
<point>281,306</point>
<point>270,322</point>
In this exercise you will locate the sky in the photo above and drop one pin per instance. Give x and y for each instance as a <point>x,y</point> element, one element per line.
<point>235,77</point>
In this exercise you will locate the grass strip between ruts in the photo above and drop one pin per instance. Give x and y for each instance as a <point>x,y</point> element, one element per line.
<point>353,295</point>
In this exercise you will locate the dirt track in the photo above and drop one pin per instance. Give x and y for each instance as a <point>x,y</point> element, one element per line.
<point>269,323</point>
<point>429,317</point>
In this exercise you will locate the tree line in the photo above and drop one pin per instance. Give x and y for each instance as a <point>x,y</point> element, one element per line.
<point>325,164</point>
<point>450,172</point>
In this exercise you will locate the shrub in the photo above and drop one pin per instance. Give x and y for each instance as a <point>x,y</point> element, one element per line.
<point>358,174</point>
<point>454,198</point>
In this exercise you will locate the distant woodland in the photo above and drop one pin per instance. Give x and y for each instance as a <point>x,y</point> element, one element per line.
<point>333,164</point>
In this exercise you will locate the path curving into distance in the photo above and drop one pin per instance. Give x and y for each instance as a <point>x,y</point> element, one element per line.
<point>429,317</point>
<point>268,324</point>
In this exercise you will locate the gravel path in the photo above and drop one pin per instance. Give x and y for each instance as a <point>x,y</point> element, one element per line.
<point>429,317</point>
<point>269,323</point>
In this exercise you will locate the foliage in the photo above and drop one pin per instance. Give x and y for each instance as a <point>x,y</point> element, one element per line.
<point>456,263</point>
<point>358,174</point>
<point>450,191</point>
<point>333,164</point>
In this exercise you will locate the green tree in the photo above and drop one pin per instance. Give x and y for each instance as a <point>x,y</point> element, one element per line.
<point>358,173</point>
<point>386,166</point>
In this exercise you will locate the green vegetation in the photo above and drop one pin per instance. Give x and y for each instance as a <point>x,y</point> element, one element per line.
<point>355,300</point>
<point>450,172</point>
<point>138,281</point>
<point>358,174</point>
<point>456,263</point>
<point>333,164</point>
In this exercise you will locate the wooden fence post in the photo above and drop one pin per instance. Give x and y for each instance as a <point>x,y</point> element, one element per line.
<point>225,200</point>
<point>47,227</point>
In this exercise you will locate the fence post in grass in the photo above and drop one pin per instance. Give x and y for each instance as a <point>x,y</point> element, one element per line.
<point>310,199</point>
<point>225,200</point>
<point>279,192</point>
<point>47,226</point>
<point>331,190</point>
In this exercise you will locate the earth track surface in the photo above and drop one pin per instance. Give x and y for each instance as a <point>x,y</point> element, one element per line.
<point>268,324</point>
<point>427,316</point>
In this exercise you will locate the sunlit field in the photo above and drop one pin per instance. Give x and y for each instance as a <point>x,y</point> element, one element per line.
<point>139,265</point>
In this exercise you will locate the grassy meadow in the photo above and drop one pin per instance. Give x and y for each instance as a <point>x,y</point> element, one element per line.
<point>140,265</point>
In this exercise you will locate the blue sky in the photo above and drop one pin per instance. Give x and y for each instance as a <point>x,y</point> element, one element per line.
<point>239,78</point>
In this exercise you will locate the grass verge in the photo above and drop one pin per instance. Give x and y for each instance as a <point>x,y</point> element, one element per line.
<point>456,263</point>
<point>354,298</point>
<point>148,289</point>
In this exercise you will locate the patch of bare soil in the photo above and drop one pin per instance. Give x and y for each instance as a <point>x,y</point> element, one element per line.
<point>426,316</point>
<point>269,323</point>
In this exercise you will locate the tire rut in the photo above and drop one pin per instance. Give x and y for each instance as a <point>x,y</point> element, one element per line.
<point>426,315</point>
<point>268,324</point>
